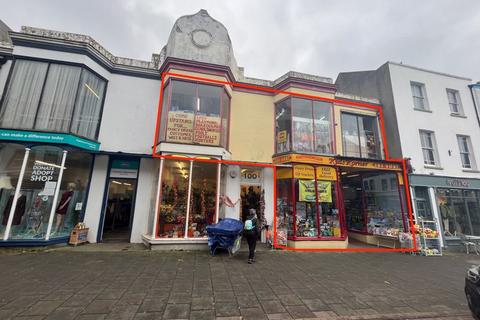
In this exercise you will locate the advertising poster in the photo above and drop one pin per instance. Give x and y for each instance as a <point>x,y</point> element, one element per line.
<point>180,127</point>
<point>307,191</point>
<point>207,130</point>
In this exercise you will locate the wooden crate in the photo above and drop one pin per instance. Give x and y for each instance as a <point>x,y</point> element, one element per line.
<point>78,236</point>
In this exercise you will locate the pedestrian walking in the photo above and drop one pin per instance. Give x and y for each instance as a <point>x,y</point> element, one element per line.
<point>251,233</point>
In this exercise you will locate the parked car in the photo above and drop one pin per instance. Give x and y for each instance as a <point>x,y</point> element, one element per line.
<point>472,290</point>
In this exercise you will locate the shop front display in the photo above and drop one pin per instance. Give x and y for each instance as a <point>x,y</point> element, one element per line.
<point>51,191</point>
<point>307,203</point>
<point>188,199</point>
<point>373,203</point>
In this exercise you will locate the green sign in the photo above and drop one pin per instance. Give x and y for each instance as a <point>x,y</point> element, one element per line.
<point>58,138</point>
<point>125,164</point>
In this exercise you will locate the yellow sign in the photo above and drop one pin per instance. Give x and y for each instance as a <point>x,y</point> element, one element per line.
<point>306,191</point>
<point>284,173</point>
<point>312,159</point>
<point>282,136</point>
<point>303,172</point>
<point>326,173</point>
<point>180,127</point>
<point>400,178</point>
<point>324,189</point>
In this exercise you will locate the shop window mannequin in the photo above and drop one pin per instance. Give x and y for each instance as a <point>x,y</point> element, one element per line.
<point>63,205</point>
<point>19,210</point>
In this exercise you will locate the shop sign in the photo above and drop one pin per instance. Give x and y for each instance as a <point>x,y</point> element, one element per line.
<point>124,169</point>
<point>304,172</point>
<point>284,173</point>
<point>249,176</point>
<point>307,191</point>
<point>46,137</point>
<point>459,183</point>
<point>207,130</point>
<point>180,127</point>
<point>336,162</point>
<point>400,178</point>
<point>282,136</point>
<point>326,173</point>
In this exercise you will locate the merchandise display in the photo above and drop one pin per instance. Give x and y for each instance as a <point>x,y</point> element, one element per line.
<point>429,237</point>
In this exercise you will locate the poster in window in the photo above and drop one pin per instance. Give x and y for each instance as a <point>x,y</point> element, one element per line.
<point>207,130</point>
<point>306,190</point>
<point>324,191</point>
<point>180,127</point>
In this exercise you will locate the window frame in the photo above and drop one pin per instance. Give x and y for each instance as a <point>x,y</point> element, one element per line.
<point>469,152</point>
<point>58,62</point>
<point>433,148</point>
<point>359,117</point>
<point>168,93</point>
<point>457,103</point>
<point>423,91</point>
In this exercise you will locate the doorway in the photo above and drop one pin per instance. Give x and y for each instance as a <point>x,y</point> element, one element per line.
<point>250,195</point>
<point>119,210</point>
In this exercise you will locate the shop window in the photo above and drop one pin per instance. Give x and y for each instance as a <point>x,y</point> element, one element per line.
<point>312,126</point>
<point>307,202</point>
<point>372,211</point>
<point>360,136</point>
<point>195,114</point>
<point>188,198</point>
<point>12,158</point>
<point>53,97</point>
<point>174,198</point>
<point>285,226</point>
<point>203,198</point>
<point>283,126</point>
<point>422,203</point>
<point>459,211</point>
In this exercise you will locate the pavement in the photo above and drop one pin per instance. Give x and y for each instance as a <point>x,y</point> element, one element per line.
<point>128,282</point>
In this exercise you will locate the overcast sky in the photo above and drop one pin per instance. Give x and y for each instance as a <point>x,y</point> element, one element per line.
<point>322,37</point>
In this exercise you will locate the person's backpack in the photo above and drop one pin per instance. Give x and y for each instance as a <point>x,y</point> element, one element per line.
<point>248,225</point>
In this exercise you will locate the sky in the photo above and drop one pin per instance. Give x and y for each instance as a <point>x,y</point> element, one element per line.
<point>271,37</point>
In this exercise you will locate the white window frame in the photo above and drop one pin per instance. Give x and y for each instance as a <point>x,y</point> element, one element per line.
<point>423,96</point>
<point>433,148</point>
<point>457,103</point>
<point>468,152</point>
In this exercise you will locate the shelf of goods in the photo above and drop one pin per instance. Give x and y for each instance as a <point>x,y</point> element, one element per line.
<point>429,238</point>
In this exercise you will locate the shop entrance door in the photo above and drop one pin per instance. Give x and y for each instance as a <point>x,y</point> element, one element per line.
<point>250,195</point>
<point>119,210</point>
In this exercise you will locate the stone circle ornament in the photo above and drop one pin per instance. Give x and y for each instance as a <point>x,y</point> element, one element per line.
<point>201,38</point>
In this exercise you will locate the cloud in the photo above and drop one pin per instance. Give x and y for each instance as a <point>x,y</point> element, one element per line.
<point>271,37</point>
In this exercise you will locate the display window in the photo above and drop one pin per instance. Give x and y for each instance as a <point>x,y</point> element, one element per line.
<point>459,211</point>
<point>35,211</point>
<point>195,113</point>
<point>188,198</point>
<point>360,136</point>
<point>285,225</point>
<point>373,207</point>
<point>304,126</point>
<point>307,199</point>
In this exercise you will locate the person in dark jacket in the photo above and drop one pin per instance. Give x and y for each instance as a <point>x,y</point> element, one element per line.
<point>251,233</point>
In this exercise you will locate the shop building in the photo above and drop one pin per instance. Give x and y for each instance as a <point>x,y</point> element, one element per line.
<point>430,117</point>
<point>78,129</point>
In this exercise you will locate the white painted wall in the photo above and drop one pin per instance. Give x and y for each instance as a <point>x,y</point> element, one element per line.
<point>233,192</point>
<point>129,114</point>
<point>95,196</point>
<point>143,203</point>
<point>269,200</point>
<point>445,126</point>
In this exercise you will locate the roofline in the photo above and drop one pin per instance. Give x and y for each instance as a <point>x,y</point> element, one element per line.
<point>429,71</point>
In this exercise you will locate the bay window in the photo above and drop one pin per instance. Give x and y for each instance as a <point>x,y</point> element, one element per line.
<point>304,126</point>
<point>53,97</point>
<point>195,113</point>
